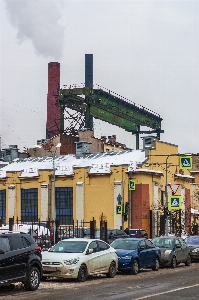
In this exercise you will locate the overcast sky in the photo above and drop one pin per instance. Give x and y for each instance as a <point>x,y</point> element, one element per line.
<point>146,51</point>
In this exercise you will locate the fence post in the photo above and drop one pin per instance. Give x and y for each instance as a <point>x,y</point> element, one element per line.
<point>11,223</point>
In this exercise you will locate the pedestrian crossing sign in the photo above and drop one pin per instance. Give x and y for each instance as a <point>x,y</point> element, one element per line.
<point>131,184</point>
<point>119,210</point>
<point>174,202</point>
<point>185,162</point>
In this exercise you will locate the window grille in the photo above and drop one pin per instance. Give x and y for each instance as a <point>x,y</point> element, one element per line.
<point>64,205</point>
<point>29,205</point>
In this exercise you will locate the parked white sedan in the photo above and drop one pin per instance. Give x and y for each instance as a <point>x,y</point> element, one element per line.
<point>79,258</point>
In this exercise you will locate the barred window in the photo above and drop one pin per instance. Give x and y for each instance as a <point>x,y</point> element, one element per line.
<point>29,205</point>
<point>2,204</point>
<point>64,205</point>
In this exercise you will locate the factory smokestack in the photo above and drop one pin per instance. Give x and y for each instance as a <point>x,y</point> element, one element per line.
<point>53,112</point>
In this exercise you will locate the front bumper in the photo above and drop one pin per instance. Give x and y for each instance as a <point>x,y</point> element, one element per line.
<point>195,255</point>
<point>124,265</point>
<point>60,271</point>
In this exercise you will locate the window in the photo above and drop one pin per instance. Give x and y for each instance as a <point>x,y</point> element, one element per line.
<point>29,205</point>
<point>3,204</point>
<point>4,244</point>
<point>94,246</point>
<point>177,243</point>
<point>26,243</point>
<point>16,242</point>
<point>142,245</point>
<point>102,246</point>
<point>64,205</point>
<point>149,244</point>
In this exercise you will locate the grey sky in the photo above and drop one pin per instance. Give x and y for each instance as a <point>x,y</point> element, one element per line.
<point>146,51</point>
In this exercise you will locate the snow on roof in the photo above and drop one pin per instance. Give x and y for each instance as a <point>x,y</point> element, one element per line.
<point>64,164</point>
<point>184,176</point>
<point>194,211</point>
<point>149,171</point>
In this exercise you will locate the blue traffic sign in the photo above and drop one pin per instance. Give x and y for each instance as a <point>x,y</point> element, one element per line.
<point>185,162</point>
<point>118,210</point>
<point>174,202</point>
<point>131,184</point>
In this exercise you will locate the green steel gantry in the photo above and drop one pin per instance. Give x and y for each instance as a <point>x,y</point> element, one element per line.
<point>109,107</point>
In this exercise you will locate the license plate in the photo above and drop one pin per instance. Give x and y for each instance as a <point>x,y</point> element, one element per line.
<point>48,268</point>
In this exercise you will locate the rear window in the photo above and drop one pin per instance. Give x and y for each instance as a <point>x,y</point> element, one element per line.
<point>193,241</point>
<point>131,231</point>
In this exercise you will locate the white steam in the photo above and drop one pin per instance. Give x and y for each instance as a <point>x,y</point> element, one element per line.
<point>38,21</point>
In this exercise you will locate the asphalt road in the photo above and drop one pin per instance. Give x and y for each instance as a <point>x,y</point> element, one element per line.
<point>179,283</point>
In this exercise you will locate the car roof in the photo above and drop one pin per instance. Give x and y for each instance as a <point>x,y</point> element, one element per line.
<point>137,229</point>
<point>166,237</point>
<point>131,239</point>
<point>80,240</point>
<point>7,233</point>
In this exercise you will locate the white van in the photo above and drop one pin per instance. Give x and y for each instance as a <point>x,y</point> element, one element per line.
<point>34,230</point>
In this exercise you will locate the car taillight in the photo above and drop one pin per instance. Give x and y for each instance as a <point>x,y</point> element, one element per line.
<point>38,248</point>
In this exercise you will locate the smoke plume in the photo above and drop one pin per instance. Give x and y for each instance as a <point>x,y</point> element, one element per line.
<point>38,21</point>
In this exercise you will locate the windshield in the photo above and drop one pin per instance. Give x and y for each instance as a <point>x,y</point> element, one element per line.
<point>69,247</point>
<point>163,243</point>
<point>125,244</point>
<point>193,241</point>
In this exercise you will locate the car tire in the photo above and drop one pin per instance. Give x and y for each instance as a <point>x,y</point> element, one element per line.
<point>112,270</point>
<point>135,268</point>
<point>188,261</point>
<point>173,262</point>
<point>33,279</point>
<point>82,274</point>
<point>157,265</point>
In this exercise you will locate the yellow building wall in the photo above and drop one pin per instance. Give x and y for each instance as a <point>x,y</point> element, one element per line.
<point>99,190</point>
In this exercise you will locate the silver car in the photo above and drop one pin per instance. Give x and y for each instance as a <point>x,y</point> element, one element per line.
<point>79,258</point>
<point>174,251</point>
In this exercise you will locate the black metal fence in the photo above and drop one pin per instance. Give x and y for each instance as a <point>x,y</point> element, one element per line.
<point>48,233</point>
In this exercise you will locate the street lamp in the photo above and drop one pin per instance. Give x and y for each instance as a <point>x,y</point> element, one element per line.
<point>54,198</point>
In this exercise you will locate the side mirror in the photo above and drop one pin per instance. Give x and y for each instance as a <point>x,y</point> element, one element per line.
<point>141,248</point>
<point>89,251</point>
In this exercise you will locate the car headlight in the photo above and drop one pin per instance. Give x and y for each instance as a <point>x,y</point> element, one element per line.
<point>167,252</point>
<point>195,250</point>
<point>126,257</point>
<point>71,261</point>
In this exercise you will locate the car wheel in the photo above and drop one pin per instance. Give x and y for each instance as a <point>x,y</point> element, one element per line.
<point>33,280</point>
<point>188,261</point>
<point>82,274</point>
<point>173,262</point>
<point>157,265</point>
<point>135,268</point>
<point>112,270</point>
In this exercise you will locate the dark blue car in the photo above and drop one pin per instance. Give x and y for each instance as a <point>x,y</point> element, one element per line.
<point>135,254</point>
